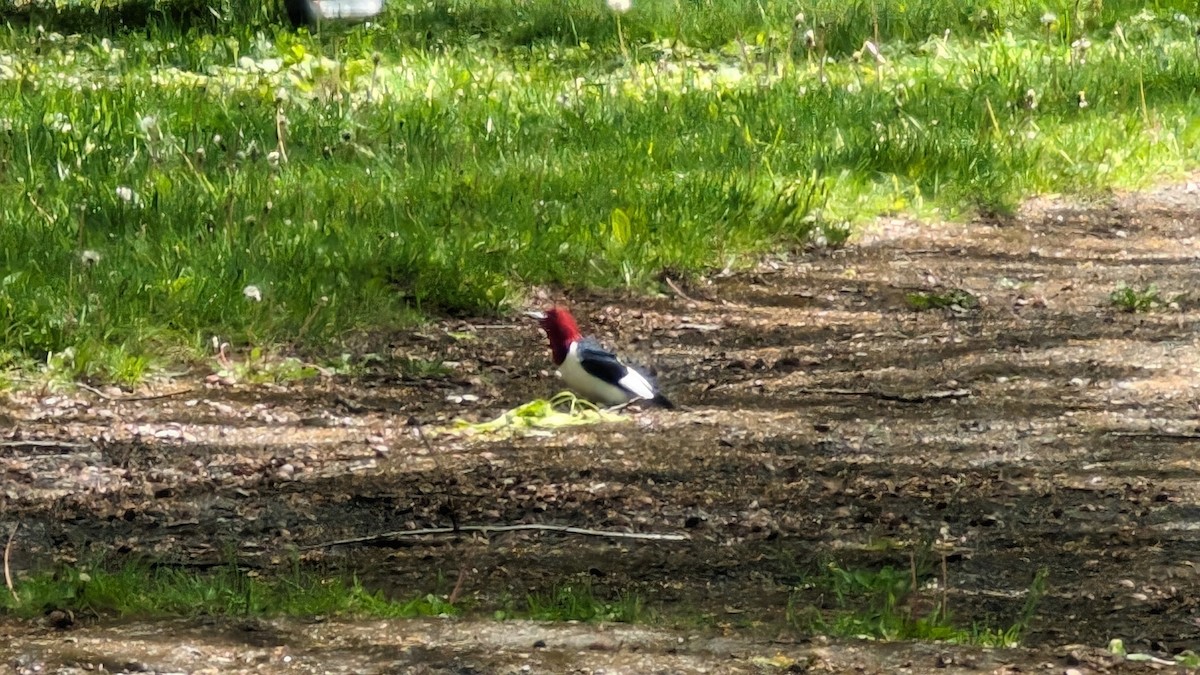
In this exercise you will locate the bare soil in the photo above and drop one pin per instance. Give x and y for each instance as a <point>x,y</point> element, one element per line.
<point>824,420</point>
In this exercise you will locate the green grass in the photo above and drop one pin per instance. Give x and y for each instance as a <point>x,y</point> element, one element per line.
<point>199,176</point>
<point>872,603</point>
<point>883,604</point>
<point>146,591</point>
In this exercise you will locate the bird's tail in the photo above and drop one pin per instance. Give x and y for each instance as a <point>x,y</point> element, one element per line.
<point>662,401</point>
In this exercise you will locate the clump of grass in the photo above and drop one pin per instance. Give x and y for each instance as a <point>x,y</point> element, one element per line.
<point>150,591</point>
<point>258,368</point>
<point>956,300</point>
<point>423,368</point>
<point>578,601</point>
<point>1144,299</point>
<point>887,604</point>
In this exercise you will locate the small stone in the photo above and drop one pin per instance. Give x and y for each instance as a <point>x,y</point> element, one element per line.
<point>60,619</point>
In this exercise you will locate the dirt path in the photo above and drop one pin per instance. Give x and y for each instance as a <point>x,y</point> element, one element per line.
<point>1073,450</point>
<point>431,646</point>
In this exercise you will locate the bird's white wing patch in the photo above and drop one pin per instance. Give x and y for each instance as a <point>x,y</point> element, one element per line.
<point>636,383</point>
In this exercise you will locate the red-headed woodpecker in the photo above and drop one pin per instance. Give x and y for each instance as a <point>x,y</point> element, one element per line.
<point>590,370</point>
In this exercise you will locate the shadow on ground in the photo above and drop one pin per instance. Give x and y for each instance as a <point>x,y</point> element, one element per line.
<point>1045,429</point>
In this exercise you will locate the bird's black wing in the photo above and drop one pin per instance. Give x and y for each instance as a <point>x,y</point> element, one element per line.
<point>599,362</point>
<point>603,364</point>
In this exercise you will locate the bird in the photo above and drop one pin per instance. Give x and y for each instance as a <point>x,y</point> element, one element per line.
<point>590,370</point>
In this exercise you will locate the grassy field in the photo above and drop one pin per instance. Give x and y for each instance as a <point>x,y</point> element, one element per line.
<point>882,604</point>
<point>175,173</point>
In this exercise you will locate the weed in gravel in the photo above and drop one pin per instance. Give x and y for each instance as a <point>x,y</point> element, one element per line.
<point>578,601</point>
<point>1145,299</point>
<point>885,604</point>
<point>956,300</point>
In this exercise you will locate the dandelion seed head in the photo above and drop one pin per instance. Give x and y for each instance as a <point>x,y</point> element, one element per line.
<point>148,124</point>
<point>89,258</point>
<point>619,6</point>
<point>58,122</point>
<point>252,292</point>
<point>1049,19</point>
<point>126,194</point>
<point>874,52</point>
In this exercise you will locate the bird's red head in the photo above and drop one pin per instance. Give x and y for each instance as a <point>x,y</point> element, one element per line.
<point>561,330</point>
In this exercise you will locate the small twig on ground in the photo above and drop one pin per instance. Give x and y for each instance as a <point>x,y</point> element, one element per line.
<point>123,399</point>
<point>912,567</point>
<point>458,586</point>
<point>702,327</point>
<point>65,445</point>
<point>414,422</point>
<point>487,529</point>
<point>448,507</point>
<point>945,588</point>
<point>353,406</point>
<point>675,287</point>
<point>920,397</point>
<point>7,570</point>
<point>1165,435</point>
